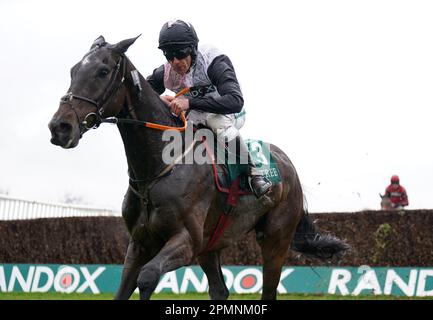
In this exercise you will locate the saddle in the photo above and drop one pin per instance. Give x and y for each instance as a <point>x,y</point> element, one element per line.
<point>228,171</point>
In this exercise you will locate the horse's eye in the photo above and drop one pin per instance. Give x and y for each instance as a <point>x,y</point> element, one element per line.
<point>102,73</point>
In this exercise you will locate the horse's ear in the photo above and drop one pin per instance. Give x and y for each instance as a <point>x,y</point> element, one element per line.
<point>100,41</point>
<point>123,45</point>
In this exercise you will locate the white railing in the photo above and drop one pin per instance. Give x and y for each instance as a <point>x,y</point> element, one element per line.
<point>19,209</point>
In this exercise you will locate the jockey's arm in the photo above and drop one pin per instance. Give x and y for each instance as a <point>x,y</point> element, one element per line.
<point>404,199</point>
<point>223,76</point>
<point>156,80</point>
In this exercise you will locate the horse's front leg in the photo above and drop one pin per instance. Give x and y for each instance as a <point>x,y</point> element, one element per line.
<point>134,261</point>
<point>136,256</point>
<point>177,252</point>
<point>210,263</point>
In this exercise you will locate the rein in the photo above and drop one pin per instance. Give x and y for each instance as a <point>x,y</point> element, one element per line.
<point>151,125</point>
<point>147,124</point>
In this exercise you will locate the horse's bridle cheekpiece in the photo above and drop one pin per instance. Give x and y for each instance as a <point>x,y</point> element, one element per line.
<point>93,120</point>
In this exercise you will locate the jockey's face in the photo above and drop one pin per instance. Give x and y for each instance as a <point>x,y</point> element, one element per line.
<point>181,66</point>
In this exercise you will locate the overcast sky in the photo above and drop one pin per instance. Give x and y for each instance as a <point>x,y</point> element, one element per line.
<point>343,87</point>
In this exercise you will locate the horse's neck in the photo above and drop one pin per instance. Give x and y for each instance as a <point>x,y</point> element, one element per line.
<point>146,102</point>
<point>144,146</point>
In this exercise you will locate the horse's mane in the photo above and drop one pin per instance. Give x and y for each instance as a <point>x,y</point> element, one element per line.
<point>154,95</point>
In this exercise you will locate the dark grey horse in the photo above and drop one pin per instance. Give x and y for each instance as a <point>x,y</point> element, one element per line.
<point>172,216</point>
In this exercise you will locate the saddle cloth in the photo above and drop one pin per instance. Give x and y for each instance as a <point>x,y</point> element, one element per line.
<point>263,160</point>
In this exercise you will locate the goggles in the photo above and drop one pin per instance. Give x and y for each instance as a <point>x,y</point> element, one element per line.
<point>178,54</point>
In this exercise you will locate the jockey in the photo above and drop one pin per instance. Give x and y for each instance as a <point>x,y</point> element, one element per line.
<point>396,193</point>
<point>215,98</point>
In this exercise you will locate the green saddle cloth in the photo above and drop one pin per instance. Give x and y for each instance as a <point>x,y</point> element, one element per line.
<point>263,160</point>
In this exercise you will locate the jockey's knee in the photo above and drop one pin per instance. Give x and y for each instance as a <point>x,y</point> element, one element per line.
<point>225,127</point>
<point>219,121</point>
<point>227,134</point>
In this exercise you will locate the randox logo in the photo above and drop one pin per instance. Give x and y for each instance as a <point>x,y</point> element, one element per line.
<point>238,280</point>
<point>379,281</point>
<point>65,279</point>
<point>331,280</point>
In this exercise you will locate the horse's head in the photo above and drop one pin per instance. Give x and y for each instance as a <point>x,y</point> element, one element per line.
<point>96,91</point>
<point>385,203</point>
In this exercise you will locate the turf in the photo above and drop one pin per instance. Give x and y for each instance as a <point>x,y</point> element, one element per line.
<point>190,296</point>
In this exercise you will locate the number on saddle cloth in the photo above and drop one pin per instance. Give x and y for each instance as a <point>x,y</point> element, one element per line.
<point>264,163</point>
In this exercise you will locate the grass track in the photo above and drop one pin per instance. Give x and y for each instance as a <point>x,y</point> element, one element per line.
<point>190,296</point>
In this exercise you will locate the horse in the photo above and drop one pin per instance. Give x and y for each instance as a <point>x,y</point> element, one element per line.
<point>170,212</point>
<point>387,205</point>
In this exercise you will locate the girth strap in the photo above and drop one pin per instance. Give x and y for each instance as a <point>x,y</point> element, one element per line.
<point>224,219</point>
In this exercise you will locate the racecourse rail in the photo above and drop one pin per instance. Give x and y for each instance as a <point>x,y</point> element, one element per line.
<point>20,209</point>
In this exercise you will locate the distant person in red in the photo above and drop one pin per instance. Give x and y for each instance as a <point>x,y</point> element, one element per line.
<point>396,193</point>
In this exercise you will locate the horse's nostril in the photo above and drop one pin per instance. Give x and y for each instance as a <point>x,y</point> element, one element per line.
<point>64,127</point>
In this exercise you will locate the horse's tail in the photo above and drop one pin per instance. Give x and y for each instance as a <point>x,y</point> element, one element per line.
<point>311,243</point>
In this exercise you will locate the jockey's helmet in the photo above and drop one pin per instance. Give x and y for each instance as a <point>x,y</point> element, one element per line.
<point>177,34</point>
<point>395,179</point>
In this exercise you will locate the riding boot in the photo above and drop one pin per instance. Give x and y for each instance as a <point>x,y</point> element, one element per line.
<point>258,183</point>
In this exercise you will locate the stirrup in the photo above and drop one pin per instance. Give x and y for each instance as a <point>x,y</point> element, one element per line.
<point>259,188</point>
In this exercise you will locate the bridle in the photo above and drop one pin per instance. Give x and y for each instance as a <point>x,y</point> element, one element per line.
<point>92,120</point>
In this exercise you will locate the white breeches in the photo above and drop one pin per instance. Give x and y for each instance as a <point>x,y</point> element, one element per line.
<point>225,126</point>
